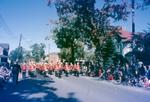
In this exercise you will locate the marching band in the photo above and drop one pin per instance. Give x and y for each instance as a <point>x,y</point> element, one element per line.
<point>49,68</point>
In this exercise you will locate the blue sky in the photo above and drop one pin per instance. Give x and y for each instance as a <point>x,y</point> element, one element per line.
<point>30,18</point>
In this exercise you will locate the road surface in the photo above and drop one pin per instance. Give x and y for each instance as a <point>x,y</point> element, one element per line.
<point>72,89</point>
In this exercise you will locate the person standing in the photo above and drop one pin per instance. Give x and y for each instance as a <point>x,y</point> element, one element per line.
<point>16,68</point>
<point>58,68</point>
<point>148,73</point>
<point>100,72</point>
<point>24,70</point>
<point>77,69</point>
<point>66,69</point>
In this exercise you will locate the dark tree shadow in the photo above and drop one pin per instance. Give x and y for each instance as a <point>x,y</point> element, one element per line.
<point>69,99</point>
<point>34,90</point>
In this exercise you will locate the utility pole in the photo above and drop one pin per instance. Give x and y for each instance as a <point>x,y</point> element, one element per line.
<point>133,14</point>
<point>133,31</point>
<point>19,46</point>
<point>20,39</point>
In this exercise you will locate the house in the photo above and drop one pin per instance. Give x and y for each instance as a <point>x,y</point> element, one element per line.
<point>4,49</point>
<point>123,44</point>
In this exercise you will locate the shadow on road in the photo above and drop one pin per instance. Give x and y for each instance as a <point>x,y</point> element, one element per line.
<point>34,90</point>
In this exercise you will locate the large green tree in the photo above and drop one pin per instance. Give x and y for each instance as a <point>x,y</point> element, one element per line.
<point>67,37</point>
<point>65,54</point>
<point>38,52</point>
<point>80,20</point>
<point>142,47</point>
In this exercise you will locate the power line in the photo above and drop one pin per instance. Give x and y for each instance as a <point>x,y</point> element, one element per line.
<point>5,27</point>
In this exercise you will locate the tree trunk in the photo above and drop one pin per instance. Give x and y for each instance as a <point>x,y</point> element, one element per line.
<point>72,54</point>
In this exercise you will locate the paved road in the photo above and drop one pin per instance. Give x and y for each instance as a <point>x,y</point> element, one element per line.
<point>72,89</point>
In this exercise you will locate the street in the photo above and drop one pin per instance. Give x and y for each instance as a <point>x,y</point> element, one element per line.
<point>72,89</point>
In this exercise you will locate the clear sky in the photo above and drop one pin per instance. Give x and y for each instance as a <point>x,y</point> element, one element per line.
<point>30,18</point>
<point>26,17</point>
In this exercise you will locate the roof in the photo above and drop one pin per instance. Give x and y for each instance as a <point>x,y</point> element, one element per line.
<point>125,34</point>
<point>4,46</point>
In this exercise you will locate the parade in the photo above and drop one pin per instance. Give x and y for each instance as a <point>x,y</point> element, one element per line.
<point>46,69</point>
<point>126,76</point>
<point>74,50</point>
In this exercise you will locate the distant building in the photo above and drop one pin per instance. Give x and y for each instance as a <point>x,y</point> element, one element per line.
<point>53,58</point>
<point>4,49</point>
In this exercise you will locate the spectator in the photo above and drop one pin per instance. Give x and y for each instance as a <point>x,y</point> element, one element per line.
<point>148,73</point>
<point>141,71</point>
<point>15,72</point>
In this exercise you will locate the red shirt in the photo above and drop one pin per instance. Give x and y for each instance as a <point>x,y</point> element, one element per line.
<point>66,67</point>
<point>78,67</point>
<point>24,67</point>
<point>58,67</point>
<point>31,68</point>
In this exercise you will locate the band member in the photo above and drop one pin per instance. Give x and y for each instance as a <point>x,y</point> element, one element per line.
<point>71,67</point>
<point>36,66</point>
<point>66,69</point>
<point>58,69</point>
<point>40,68</point>
<point>45,71</point>
<point>24,67</point>
<point>32,70</point>
<point>50,68</point>
<point>77,69</point>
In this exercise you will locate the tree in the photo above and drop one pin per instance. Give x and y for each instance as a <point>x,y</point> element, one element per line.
<point>79,50</point>
<point>66,38</point>
<point>79,20</point>
<point>146,2</point>
<point>90,55</point>
<point>17,54</point>
<point>27,56</point>
<point>146,54</point>
<point>68,41</point>
<point>38,52</point>
<point>65,55</point>
<point>108,52</point>
<point>67,34</point>
<point>142,51</point>
<point>142,48</point>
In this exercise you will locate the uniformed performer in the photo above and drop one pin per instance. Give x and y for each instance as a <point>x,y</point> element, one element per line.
<point>24,69</point>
